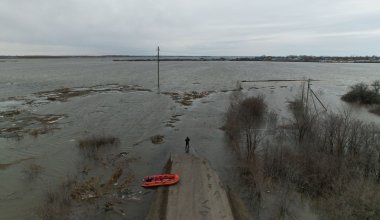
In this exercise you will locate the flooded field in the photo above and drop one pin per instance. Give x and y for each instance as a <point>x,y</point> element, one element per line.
<point>49,106</point>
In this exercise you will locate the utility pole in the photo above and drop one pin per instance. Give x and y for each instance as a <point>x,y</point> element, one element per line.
<point>158,67</point>
<point>320,102</point>
<point>312,93</point>
<point>307,94</point>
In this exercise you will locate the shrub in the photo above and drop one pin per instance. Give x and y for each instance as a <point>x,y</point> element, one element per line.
<point>363,94</point>
<point>375,110</point>
<point>243,120</point>
<point>335,158</point>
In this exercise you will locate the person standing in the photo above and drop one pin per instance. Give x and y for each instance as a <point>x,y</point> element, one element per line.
<point>187,140</point>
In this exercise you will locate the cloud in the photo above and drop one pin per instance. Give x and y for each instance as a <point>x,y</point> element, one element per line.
<point>198,27</point>
<point>8,48</point>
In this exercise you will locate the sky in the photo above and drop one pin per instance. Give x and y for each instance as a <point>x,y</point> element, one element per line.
<point>190,27</point>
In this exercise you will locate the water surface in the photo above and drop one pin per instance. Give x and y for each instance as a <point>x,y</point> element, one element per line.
<point>135,116</point>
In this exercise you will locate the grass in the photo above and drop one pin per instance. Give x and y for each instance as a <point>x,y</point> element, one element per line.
<point>98,142</point>
<point>187,98</point>
<point>93,147</point>
<point>57,204</point>
<point>33,170</point>
<point>38,131</point>
<point>82,196</point>
<point>11,113</point>
<point>86,190</point>
<point>74,193</point>
<point>157,139</point>
<point>64,94</point>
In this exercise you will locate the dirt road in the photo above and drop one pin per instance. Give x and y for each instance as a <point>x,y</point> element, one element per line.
<point>199,194</point>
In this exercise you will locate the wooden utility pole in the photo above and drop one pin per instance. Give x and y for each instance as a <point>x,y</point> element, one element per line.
<point>158,67</point>
<point>320,102</point>
<point>312,93</point>
<point>307,93</point>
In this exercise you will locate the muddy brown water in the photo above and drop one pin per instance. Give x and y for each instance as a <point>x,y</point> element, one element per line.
<point>134,116</point>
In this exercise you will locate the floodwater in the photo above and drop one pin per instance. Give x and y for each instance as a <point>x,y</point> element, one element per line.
<point>135,115</point>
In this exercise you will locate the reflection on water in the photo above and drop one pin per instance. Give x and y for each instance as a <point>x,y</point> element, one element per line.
<point>135,115</point>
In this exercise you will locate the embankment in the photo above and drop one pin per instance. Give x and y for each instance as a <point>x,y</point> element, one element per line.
<point>199,195</point>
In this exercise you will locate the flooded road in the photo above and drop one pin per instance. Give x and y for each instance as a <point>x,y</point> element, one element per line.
<point>135,115</point>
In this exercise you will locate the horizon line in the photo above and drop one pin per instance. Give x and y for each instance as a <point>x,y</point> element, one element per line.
<point>124,55</point>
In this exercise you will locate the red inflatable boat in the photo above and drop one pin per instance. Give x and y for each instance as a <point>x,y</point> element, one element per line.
<point>160,180</point>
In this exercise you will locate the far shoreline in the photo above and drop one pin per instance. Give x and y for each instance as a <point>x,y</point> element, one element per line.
<point>139,58</point>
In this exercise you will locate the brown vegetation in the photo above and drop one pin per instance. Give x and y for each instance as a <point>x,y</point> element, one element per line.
<point>10,114</point>
<point>93,147</point>
<point>98,194</point>
<point>63,94</point>
<point>33,170</point>
<point>57,204</point>
<point>27,123</point>
<point>187,98</point>
<point>173,120</point>
<point>87,191</point>
<point>157,139</point>
<point>38,131</point>
<point>244,119</point>
<point>332,158</point>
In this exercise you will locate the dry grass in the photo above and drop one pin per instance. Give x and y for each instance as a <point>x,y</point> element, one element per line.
<point>157,139</point>
<point>10,114</point>
<point>39,131</point>
<point>33,170</point>
<point>63,202</point>
<point>57,204</point>
<point>98,141</point>
<point>11,129</point>
<point>187,98</point>
<point>64,94</point>
<point>93,147</point>
<point>86,190</point>
<point>29,123</point>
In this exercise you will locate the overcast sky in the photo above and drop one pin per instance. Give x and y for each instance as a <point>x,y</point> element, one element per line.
<point>190,27</point>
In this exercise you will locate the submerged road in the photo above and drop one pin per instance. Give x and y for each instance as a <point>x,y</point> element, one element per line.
<point>199,194</point>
